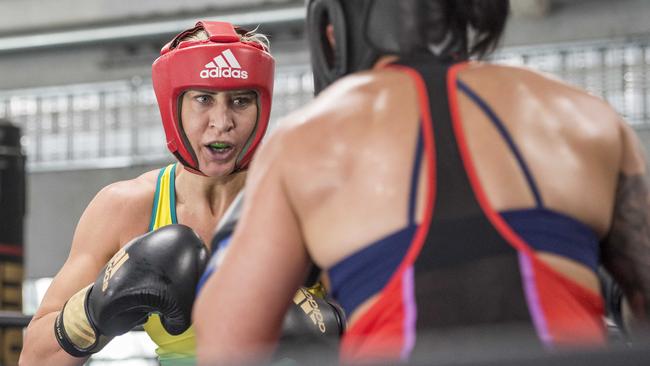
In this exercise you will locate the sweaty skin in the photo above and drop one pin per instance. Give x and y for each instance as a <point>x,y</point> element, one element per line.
<point>334,178</point>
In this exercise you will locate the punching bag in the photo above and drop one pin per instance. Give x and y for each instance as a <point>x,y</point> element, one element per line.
<point>12,214</point>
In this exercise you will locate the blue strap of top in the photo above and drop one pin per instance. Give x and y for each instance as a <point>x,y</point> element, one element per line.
<point>496,121</point>
<point>543,229</point>
<point>365,272</point>
<point>419,151</point>
<point>554,232</point>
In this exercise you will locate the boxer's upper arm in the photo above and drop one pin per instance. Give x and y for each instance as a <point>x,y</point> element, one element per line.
<point>626,249</point>
<point>101,229</point>
<point>242,305</point>
<point>95,240</point>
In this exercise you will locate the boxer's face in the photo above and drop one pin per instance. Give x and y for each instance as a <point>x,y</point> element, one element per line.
<point>218,125</point>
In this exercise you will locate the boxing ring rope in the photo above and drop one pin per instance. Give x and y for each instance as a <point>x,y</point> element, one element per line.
<point>461,347</point>
<point>466,347</point>
<point>14,319</point>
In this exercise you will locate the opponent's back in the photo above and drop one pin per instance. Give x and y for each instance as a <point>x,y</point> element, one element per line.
<point>358,148</point>
<point>535,147</point>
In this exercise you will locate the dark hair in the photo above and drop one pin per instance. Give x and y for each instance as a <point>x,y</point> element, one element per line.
<point>467,27</point>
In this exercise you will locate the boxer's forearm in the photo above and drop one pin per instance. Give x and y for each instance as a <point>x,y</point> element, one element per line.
<point>41,348</point>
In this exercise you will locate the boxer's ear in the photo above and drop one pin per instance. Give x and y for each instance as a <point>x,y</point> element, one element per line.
<point>329,33</point>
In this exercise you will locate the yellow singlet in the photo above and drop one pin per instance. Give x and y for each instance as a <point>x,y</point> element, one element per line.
<point>180,349</point>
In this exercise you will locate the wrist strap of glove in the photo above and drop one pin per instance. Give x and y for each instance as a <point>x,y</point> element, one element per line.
<point>76,334</point>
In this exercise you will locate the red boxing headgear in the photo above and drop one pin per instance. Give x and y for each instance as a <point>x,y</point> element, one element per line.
<point>222,62</point>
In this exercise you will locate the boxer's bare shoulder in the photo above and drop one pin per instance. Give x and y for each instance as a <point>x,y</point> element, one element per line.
<point>525,97</point>
<point>322,141</point>
<point>133,191</point>
<point>123,207</point>
<point>521,82</point>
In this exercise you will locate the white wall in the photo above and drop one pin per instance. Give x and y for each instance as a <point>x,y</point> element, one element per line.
<point>55,201</point>
<point>574,20</point>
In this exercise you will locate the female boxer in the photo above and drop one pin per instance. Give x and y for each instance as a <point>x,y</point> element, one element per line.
<point>213,84</point>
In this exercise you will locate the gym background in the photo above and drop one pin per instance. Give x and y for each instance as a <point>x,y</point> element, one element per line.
<point>75,80</point>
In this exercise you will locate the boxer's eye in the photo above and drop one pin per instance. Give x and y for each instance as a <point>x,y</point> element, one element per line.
<point>205,99</point>
<point>242,101</point>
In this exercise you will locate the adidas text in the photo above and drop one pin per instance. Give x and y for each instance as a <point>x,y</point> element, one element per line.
<point>224,73</point>
<point>309,306</point>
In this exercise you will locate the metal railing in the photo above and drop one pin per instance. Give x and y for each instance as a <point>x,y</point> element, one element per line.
<point>616,70</point>
<point>110,124</point>
<point>118,124</point>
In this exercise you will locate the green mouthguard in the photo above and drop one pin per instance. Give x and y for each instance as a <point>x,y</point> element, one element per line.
<point>219,145</point>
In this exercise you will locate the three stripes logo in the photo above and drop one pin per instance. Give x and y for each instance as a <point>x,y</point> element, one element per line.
<point>224,66</point>
<point>113,265</point>
<point>306,301</point>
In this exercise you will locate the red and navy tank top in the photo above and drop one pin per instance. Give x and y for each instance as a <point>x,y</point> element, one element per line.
<point>465,265</point>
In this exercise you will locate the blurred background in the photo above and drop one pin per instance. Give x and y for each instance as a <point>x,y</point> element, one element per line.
<point>75,78</point>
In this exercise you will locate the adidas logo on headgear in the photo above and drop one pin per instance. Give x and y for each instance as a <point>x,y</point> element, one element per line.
<point>224,66</point>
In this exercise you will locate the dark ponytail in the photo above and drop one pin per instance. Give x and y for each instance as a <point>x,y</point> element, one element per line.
<point>465,28</point>
<point>487,19</point>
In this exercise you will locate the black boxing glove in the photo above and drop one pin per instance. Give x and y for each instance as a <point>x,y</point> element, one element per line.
<point>313,325</point>
<point>156,272</point>
<point>313,319</point>
<point>613,297</point>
